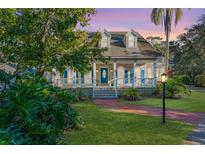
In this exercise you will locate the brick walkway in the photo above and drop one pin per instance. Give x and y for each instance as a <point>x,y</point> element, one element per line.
<point>114,105</point>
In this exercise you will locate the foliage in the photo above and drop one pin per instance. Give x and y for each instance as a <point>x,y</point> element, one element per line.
<point>184,79</point>
<point>164,17</point>
<point>189,55</point>
<point>79,95</point>
<point>5,79</point>
<point>200,80</point>
<point>131,94</point>
<point>32,111</point>
<point>156,43</point>
<point>48,38</point>
<point>175,87</point>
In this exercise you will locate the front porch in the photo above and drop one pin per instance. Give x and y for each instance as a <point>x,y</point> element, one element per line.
<point>117,75</point>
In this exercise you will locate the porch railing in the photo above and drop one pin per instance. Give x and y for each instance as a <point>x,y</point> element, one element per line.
<point>120,82</point>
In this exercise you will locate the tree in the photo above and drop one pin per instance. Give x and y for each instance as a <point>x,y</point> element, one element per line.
<point>156,42</point>
<point>48,38</point>
<point>164,16</point>
<point>189,56</point>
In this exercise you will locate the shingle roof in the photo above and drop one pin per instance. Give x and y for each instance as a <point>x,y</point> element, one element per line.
<point>118,48</point>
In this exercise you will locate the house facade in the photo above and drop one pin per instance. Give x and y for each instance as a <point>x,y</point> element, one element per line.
<point>133,63</point>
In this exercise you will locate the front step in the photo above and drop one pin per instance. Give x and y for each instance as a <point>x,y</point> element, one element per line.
<point>104,93</point>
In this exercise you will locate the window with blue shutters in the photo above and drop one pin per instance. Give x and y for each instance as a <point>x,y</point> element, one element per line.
<point>126,77</point>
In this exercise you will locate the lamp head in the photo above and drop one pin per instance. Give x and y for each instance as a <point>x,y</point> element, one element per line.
<point>164,78</point>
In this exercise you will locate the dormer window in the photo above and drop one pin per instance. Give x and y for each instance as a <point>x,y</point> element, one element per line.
<point>131,39</point>
<point>105,41</point>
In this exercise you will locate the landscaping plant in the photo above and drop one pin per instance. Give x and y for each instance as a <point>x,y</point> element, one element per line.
<point>32,111</point>
<point>131,94</point>
<point>200,80</point>
<point>175,87</point>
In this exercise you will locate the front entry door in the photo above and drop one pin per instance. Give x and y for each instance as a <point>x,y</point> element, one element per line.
<point>104,75</point>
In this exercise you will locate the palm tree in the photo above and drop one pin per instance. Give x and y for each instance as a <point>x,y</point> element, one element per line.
<point>163,17</point>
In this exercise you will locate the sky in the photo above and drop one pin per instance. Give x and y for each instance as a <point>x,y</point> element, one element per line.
<point>139,20</point>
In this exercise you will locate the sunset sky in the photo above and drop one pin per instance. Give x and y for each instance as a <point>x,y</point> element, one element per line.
<point>139,20</point>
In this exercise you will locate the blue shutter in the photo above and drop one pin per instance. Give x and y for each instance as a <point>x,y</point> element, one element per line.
<point>126,77</point>
<point>82,78</point>
<point>142,77</point>
<point>76,77</point>
<point>65,74</point>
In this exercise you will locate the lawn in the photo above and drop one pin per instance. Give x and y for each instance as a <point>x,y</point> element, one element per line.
<point>193,103</point>
<point>106,127</point>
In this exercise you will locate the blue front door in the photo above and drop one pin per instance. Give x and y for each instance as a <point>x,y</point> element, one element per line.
<point>142,77</point>
<point>104,75</point>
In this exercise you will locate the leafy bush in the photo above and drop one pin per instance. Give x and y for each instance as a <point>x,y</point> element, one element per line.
<point>131,94</point>
<point>185,79</point>
<point>200,80</point>
<point>4,80</point>
<point>32,111</point>
<point>175,88</point>
<point>79,95</point>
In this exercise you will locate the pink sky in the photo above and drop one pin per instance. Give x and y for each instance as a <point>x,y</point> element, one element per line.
<point>139,20</point>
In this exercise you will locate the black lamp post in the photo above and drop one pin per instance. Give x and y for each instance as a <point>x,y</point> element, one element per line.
<point>163,80</point>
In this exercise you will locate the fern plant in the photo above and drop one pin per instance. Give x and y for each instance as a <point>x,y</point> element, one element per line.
<point>32,111</point>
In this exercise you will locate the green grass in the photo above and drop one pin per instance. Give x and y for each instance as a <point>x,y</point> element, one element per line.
<point>193,103</point>
<point>106,127</point>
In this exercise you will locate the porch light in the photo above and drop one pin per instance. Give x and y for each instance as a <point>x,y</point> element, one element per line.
<point>111,70</point>
<point>96,70</point>
<point>164,78</point>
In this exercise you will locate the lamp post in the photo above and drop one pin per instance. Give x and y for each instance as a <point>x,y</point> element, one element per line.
<point>163,80</point>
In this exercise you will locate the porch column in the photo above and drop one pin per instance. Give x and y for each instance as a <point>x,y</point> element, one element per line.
<point>74,78</point>
<point>154,73</point>
<point>134,69</point>
<point>115,73</point>
<point>94,74</point>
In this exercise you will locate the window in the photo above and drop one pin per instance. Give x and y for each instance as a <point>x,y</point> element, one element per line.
<point>104,41</point>
<point>131,41</point>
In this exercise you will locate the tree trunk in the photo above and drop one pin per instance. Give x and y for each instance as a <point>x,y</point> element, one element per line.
<point>167,53</point>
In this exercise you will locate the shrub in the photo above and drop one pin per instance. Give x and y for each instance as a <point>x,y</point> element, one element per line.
<point>185,79</point>
<point>32,111</point>
<point>200,80</point>
<point>79,95</point>
<point>5,79</point>
<point>131,94</point>
<point>175,88</point>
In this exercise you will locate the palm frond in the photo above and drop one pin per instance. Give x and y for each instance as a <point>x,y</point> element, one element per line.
<point>178,15</point>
